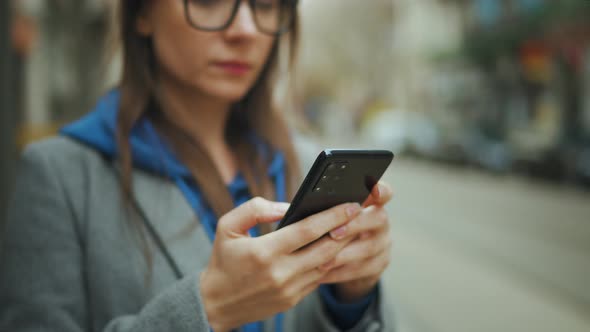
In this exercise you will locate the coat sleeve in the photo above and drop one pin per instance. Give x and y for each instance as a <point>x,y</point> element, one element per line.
<point>311,315</point>
<point>42,283</point>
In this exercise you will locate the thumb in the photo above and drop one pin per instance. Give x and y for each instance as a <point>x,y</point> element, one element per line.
<point>255,211</point>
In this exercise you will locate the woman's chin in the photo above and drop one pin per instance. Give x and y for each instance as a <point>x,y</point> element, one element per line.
<point>229,93</point>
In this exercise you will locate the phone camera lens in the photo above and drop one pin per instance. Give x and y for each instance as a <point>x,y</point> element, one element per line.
<point>342,166</point>
<point>325,177</point>
<point>317,189</point>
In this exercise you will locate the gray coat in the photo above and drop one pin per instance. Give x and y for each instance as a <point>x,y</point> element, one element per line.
<point>70,262</point>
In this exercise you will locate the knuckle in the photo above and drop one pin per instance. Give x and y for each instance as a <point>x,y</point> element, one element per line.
<point>331,257</point>
<point>287,299</point>
<point>331,249</point>
<point>386,261</point>
<point>277,279</point>
<point>223,222</point>
<point>373,249</point>
<point>308,231</point>
<point>256,201</point>
<point>354,226</point>
<point>336,215</point>
<point>381,214</point>
<point>256,204</point>
<point>326,252</point>
<point>260,258</point>
<point>372,269</point>
<point>340,213</point>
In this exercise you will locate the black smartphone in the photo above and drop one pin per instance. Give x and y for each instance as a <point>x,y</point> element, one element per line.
<point>336,177</point>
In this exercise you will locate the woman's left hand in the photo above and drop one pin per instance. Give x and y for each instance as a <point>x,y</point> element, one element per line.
<point>357,268</point>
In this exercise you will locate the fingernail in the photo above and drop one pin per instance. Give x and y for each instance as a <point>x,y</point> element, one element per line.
<point>352,209</point>
<point>339,232</point>
<point>377,191</point>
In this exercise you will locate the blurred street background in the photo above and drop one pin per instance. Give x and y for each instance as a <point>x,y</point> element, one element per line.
<point>486,104</point>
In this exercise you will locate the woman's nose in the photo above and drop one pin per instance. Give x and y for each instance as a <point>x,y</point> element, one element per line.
<point>244,22</point>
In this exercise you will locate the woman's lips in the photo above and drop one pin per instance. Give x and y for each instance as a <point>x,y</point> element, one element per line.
<point>234,67</point>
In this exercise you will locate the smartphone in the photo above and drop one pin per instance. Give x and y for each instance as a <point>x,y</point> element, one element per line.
<point>336,177</point>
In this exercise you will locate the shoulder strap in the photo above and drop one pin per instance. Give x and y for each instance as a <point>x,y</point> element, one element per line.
<point>153,233</point>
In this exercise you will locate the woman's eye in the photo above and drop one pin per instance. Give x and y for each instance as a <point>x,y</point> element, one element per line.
<point>266,4</point>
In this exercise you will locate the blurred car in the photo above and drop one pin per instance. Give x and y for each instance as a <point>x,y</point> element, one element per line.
<point>402,132</point>
<point>386,130</point>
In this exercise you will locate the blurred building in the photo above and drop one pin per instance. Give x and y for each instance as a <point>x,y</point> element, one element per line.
<point>529,56</point>
<point>497,84</point>
<point>65,72</point>
<point>53,66</point>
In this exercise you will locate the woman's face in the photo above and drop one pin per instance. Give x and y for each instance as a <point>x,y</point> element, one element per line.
<point>221,64</point>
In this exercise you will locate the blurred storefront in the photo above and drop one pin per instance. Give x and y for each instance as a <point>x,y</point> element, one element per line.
<point>533,54</point>
<point>53,65</point>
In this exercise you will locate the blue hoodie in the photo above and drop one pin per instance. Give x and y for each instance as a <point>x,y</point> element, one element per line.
<point>149,152</point>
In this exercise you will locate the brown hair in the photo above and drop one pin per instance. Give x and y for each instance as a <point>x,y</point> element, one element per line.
<point>255,113</point>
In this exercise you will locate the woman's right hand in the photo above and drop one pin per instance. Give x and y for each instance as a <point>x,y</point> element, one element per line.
<point>248,279</point>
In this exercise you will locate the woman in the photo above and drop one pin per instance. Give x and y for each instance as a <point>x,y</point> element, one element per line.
<point>101,233</point>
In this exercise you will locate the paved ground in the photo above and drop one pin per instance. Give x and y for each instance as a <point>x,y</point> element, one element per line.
<point>478,252</point>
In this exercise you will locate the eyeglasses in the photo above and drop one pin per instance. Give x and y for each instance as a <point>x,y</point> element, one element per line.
<point>273,17</point>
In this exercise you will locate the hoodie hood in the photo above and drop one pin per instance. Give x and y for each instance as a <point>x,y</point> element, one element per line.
<point>98,131</point>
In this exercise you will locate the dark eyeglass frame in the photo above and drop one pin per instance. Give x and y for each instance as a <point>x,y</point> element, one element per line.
<point>282,30</point>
